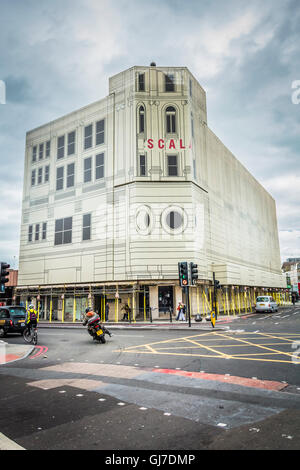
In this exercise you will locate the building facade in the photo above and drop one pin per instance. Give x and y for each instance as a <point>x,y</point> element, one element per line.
<point>118,192</point>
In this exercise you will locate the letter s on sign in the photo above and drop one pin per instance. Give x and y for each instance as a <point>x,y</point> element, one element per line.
<point>296,94</point>
<point>150,143</point>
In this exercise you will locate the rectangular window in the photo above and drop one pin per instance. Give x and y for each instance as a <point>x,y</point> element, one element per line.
<point>169,82</point>
<point>44,231</point>
<point>41,151</point>
<point>100,132</point>
<point>47,173</point>
<point>86,227</point>
<point>88,136</point>
<point>172,165</point>
<point>48,149</point>
<point>142,165</point>
<point>141,82</point>
<point>37,232</point>
<point>142,119</point>
<point>30,228</point>
<point>33,178</point>
<point>87,177</point>
<point>61,147</point>
<point>70,175</point>
<point>59,178</point>
<point>99,166</point>
<point>40,175</point>
<point>71,143</point>
<point>191,87</point>
<point>171,123</point>
<point>63,231</point>
<point>34,152</point>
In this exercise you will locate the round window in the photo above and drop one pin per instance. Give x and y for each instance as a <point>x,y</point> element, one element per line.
<point>143,220</point>
<point>174,220</point>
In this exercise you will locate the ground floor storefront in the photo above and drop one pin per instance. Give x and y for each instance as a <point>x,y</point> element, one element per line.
<point>139,301</point>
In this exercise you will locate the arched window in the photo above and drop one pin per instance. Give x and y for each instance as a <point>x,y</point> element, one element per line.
<point>141,119</point>
<point>171,120</point>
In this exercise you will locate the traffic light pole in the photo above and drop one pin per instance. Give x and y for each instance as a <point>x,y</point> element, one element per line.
<point>187,296</point>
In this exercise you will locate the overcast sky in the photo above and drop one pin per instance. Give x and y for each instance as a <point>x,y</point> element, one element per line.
<point>57,55</point>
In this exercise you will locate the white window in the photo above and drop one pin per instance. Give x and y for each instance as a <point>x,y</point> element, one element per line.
<point>172,165</point>
<point>70,175</point>
<point>86,227</point>
<point>71,143</point>
<point>41,151</point>
<point>47,169</point>
<point>171,120</point>
<point>63,231</point>
<point>34,153</point>
<point>99,166</point>
<point>60,147</point>
<point>100,132</point>
<point>87,170</point>
<point>88,136</point>
<point>59,178</point>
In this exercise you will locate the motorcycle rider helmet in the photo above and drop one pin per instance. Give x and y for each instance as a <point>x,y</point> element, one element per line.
<point>31,307</point>
<point>88,309</point>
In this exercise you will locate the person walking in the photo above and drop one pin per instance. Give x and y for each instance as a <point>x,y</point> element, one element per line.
<point>106,311</point>
<point>294,298</point>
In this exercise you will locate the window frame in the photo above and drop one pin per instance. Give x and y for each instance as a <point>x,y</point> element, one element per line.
<point>71,145</point>
<point>143,165</point>
<point>86,170</point>
<point>97,167</point>
<point>61,148</point>
<point>87,228</point>
<point>86,137</point>
<point>60,178</point>
<point>34,154</point>
<point>171,120</point>
<point>100,133</point>
<point>141,83</point>
<point>169,82</point>
<point>63,231</point>
<point>70,175</point>
<point>172,165</point>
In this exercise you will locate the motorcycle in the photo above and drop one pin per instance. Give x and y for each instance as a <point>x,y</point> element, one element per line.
<point>95,329</point>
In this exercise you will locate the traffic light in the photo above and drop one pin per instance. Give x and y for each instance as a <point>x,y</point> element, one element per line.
<point>4,276</point>
<point>217,284</point>
<point>194,273</point>
<point>183,274</point>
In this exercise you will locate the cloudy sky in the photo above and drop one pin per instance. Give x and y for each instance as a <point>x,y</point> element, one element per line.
<point>57,55</point>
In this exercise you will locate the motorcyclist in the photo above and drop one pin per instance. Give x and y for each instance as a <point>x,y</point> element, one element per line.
<point>92,317</point>
<point>31,317</point>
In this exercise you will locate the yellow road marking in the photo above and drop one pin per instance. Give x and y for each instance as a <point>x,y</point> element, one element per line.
<point>258,346</point>
<point>207,347</point>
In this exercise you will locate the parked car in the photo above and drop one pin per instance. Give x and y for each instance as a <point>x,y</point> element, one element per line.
<point>12,319</point>
<point>266,303</point>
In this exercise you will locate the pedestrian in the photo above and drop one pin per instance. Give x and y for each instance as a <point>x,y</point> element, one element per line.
<point>180,310</point>
<point>106,311</point>
<point>293,298</point>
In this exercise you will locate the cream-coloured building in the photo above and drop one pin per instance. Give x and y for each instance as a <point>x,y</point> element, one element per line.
<point>118,192</point>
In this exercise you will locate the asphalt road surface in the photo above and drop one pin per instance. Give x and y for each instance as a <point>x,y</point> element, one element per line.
<point>235,387</point>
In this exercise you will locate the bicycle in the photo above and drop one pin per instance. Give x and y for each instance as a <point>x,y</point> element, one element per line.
<point>30,335</point>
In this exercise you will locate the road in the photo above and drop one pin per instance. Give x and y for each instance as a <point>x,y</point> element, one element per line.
<point>235,387</point>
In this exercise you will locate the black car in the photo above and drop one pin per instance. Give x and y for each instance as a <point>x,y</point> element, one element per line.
<point>12,319</point>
